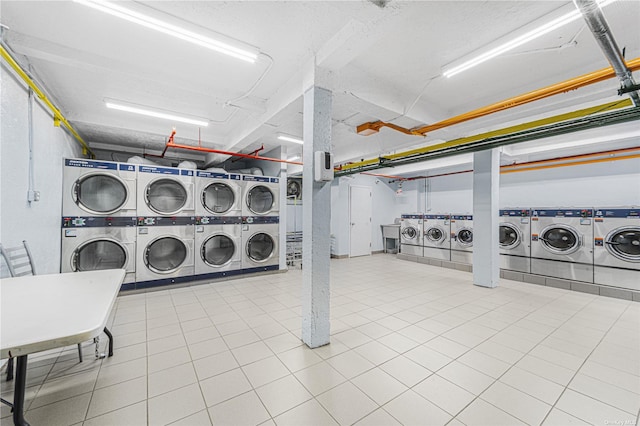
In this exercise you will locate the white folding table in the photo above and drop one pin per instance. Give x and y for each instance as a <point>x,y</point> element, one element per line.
<point>43,312</point>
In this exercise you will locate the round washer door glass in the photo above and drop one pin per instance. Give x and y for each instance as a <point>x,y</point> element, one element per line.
<point>434,234</point>
<point>166,196</point>
<point>217,250</point>
<point>465,236</point>
<point>260,247</point>
<point>165,254</point>
<point>409,233</point>
<point>560,239</point>
<point>624,243</point>
<point>100,193</point>
<point>260,199</point>
<point>218,198</point>
<point>509,236</point>
<point>99,254</point>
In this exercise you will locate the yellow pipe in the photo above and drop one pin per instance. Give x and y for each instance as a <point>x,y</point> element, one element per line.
<point>58,118</point>
<point>500,132</point>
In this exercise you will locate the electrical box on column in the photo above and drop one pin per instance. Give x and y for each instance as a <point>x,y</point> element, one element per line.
<point>323,166</point>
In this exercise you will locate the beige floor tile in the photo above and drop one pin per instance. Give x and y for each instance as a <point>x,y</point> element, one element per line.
<point>175,405</point>
<point>195,324</point>
<point>398,342</point>
<point>560,418</point>
<point>201,334</point>
<point>350,364</point>
<point>520,405</point>
<point>484,363</point>
<point>265,371</point>
<point>201,418</point>
<point>378,418</point>
<point>125,354</point>
<point>379,386</point>
<point>591,410</point>
<point>309,413</point>
<point>165,344</point>
<point>117,396</point>
<point>299,358</point>
<point>412,409</point>
<point>604,392</point>
<point>611,375</point>
<point>241,338</point>
<point>168,359</point>
<point>170,379</point>
<point>557,357</point>
<point>481,413</point>
<point>282,395</point>
<point>466,377</point>
<point>207,348</point>
<point>66,412</point>
<point>447,347</point>
<point>332,349</point>
<point>65,387</point>
<point>444,394</point>
<point>215,364</point>
<point>346,403</point>
<point>243,410</point>
<point>135,414</point>
<point>283,342</point>
<point>114,374</point>
<point>546,369</point>
<point>376,352</point>
<point>500,352</point>
<point>534,385</point>
<point>224,386</point>
<point>428,358</point>
<point>251,353</point>
<point>320,378</point>
<point>352,338</point>
<point>374,330</point>
<point>405,370</point>
<point>269,330</point>
<point>164,331</point>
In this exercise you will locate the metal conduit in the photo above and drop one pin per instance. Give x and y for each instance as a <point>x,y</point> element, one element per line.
<point>599,27</point>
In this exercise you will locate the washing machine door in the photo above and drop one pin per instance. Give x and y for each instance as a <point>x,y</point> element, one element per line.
<point>99,254</point>
<point>560,239</point>
<point>217,250</point>
<point>166,196</point>
<point>260,247</point>
<point>409,234</point>
<point>260,199</point>
<point>465,237</point>
<point>510,236</point>
<point>218,198</point>
<point>164,255</point>
<point>624,243</point>
<point>100,193</point>
<point>435,235</point>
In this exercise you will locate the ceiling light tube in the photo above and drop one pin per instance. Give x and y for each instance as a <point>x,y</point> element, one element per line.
<point>169,29</point>
<point>518,41</point>
<point>288,138</point>
<point>156,114</point>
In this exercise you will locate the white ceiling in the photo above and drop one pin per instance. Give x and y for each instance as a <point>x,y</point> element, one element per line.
<point>385,64</point>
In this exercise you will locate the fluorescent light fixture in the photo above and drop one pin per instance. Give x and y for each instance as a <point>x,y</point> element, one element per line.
<point>156,114</point>
<point>518,41</point>
<point>290,139</point>
<point>169,29</point>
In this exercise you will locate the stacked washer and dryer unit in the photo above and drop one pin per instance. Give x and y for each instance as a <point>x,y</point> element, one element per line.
<point>167,225</point>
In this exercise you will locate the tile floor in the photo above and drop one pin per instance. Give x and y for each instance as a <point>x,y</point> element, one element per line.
<point>411,344</point>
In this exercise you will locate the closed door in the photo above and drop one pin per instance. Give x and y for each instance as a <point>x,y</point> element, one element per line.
<point>360,221</point>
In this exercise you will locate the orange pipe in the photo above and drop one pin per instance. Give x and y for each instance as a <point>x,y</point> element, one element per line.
<point>573,157</point>
<point>573,163</point>
<point>234,154</point>
<point>545,92</point>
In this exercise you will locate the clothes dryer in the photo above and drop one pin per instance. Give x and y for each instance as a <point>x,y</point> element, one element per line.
<point>562,243</point>
<point>165,191</point>
<point>616,252</point>
<point>218,194</point>
<point>218,243</point>
<point>98,188</point>
<point>436,237</point>
<point>165,250</point>
<point>411,234</point>
<point>462,239</point>
<point>261,196</point>
<point>92,243</point>
<point>260,236</point>
<point>515,239</point>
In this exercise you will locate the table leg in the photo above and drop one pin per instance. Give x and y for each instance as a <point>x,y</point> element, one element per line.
<point>19,390</point>
<point>110,336</point>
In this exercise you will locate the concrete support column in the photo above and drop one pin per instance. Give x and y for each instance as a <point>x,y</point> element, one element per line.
<point>486,189</point>
<point>283,210</point>
<point>316,213</point>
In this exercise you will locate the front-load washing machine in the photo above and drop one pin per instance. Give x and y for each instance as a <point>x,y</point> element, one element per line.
<point>91,243</point>
<point>562,243</point>
<point>98,188</point>
<point>218,194</point>
<point>411,234</point>
<point>165,250</point>
<point>260,236</point>
<point>218,245</point>
<point>165,191</point>
<point>515,239</point>
<point>462,238</point>
<point>261,196</point>
<point>436,237</point>
<point>616,252</point>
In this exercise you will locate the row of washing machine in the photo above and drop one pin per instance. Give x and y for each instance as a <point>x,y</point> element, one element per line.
<point>599,246</point>
<point>167,225</point>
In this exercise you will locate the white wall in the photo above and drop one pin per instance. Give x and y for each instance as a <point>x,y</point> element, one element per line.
<point>36,222</point>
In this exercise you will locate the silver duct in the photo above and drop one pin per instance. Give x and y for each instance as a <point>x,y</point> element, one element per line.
<point>597,23</point>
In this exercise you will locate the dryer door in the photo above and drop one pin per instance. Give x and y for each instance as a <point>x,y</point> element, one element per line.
<point>624,243</point>
<point>560,239</point>
<point>166,196</point>
<point>165,255</point>
<point>260,199</point>
<point>510,237</point>
<point>100,193</point>
<point>99,254</point>
<point>217,250</point>
<point>435,234</point>
<point>260,247</point>
<point>218,198</point>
